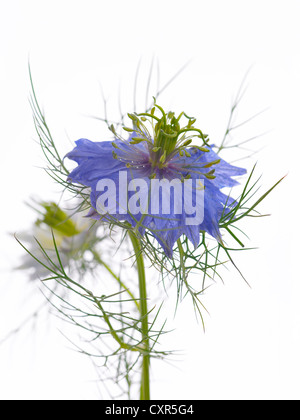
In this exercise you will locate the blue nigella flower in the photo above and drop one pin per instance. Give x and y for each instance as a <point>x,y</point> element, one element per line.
<point>157,181</point>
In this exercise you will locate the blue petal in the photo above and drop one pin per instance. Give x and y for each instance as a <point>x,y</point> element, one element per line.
<point>95,162</point>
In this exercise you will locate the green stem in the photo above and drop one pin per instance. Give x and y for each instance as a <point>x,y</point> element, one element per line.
<point>145,379</point>
<point>182,264</point>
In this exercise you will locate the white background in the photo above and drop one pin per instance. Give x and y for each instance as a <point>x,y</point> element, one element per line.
<point>251,346</point>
